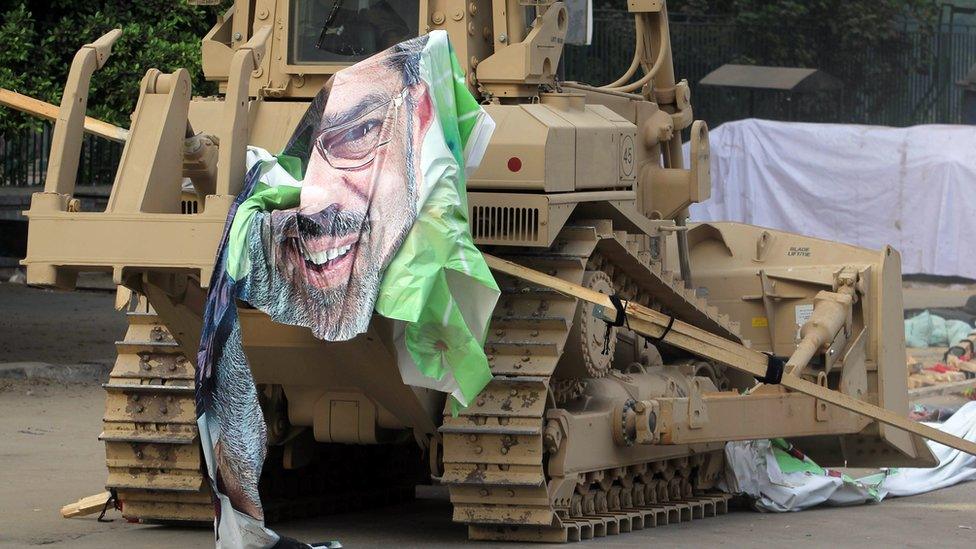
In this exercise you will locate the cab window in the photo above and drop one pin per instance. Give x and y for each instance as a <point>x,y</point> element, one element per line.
<point>345,31</point>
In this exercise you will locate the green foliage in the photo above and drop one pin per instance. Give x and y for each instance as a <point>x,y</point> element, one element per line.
<point>40,39</point>
<point>864,43</point>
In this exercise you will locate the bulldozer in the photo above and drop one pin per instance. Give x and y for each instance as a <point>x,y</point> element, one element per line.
<point>588,428</point>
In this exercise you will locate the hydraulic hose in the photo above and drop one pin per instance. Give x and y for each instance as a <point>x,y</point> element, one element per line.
<point>658,62</point>
<point>638,46</point>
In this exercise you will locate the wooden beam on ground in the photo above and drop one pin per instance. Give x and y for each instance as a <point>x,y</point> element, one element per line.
<point>85,506</point>
<point>942,388</point>
<point>682,335</point>
<point>41,109</point>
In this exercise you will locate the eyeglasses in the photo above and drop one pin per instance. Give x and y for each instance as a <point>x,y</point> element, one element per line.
<point>354,144</point>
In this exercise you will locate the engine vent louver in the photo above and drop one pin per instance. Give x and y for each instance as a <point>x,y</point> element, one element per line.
<point>189,207</point>
<point>504,224</point>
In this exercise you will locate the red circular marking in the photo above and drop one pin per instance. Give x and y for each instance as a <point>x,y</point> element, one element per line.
<point>514,164</point>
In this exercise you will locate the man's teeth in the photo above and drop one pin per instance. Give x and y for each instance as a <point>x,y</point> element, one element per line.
<point>325,256</point>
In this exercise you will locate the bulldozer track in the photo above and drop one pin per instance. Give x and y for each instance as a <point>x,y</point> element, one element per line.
<point>152,447</point>
<point>495,450</point>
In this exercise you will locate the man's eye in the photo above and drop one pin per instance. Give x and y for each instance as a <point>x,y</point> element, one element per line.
<point>356,142</point>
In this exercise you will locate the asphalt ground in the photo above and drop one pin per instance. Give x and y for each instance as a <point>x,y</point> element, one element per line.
<point>50,456</point>
<point>58,327</point>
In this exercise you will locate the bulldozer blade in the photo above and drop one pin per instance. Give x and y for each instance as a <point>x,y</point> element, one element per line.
<point>682,335</point>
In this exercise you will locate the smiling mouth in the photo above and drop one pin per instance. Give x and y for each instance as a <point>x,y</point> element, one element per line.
<point>326,243</point>
<point>326,258</point>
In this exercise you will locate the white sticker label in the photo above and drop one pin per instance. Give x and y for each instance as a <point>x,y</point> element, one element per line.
<point>803,314</point>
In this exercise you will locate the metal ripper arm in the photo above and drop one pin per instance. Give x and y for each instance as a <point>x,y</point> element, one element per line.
<point>66,141</point>
<point>705,344</point>
<point>234,122</point>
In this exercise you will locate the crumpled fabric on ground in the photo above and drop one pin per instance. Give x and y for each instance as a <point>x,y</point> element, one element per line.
<point>778,478</point>
<point>928,330</point>
<point>954,466</point>
<point>364,210</point>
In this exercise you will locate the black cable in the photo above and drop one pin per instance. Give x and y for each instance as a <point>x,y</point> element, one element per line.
<point>328,23</point>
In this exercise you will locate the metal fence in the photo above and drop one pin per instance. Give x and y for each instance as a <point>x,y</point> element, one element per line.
<point>24,156</point>
<point>909,79</point>
<point>906,80</point>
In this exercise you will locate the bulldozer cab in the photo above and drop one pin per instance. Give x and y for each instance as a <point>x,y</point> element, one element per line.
<point>344,31</point>
<point>519,41</point>
<point>309,40</point>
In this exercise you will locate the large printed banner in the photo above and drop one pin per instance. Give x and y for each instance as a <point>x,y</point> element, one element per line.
<point>364,210</point>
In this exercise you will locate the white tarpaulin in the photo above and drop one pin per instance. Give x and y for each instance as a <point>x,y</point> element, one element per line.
<point>779,478</point>
<point>913,188</point>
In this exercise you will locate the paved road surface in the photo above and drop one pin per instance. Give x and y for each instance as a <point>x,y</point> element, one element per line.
<point>57,327</point>
<point>50,456</point>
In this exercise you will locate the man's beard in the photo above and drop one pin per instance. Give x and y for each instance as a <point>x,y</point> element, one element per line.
<point>289,278</point>
<point>278,286</point>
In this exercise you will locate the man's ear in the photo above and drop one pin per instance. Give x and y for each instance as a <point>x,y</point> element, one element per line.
<point>423,106</point>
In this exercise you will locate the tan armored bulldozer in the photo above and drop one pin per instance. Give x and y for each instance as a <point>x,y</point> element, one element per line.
<point>587,429</point>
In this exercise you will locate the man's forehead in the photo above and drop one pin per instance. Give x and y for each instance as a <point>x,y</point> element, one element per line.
<point>354,84</point>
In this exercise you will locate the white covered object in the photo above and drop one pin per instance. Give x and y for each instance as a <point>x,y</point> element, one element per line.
<point>913,188</point>
<point>954,466</point>
<point>779,481</point>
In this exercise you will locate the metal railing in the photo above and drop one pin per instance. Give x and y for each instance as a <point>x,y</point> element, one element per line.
<point>909,79</point>
<point>24,155</point>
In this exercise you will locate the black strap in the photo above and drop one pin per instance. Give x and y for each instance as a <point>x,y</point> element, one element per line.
<point>774,370</point>
<point>621,306</point>
<point>113,500</point>
<point>664,334</point>
<point>619,319</point>
<point>958,350</point>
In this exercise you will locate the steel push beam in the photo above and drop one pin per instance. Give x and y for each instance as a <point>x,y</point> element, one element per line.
<point>707,345</point>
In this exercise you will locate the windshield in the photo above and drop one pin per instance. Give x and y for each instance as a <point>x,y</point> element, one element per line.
<point>347,30</point>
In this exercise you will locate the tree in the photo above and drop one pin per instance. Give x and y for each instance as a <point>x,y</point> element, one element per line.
<point>41,37</point>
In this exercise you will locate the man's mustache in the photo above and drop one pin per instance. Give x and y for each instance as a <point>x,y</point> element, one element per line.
<point>332,222</point>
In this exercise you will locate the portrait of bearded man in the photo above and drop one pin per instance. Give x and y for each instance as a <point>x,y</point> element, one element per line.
<point>314,239</point>
<point>361,193</point>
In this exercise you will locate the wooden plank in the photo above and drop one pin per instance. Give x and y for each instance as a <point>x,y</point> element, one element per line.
<point>45,110</point>
<point>85,506</point>
<point>652,323</point>
<point>942,389</point>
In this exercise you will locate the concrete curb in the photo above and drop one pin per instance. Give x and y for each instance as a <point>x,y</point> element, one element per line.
<point>91,372</point>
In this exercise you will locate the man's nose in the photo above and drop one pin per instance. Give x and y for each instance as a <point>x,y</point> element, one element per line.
<point>314,198</point>
<point>355,186</point>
